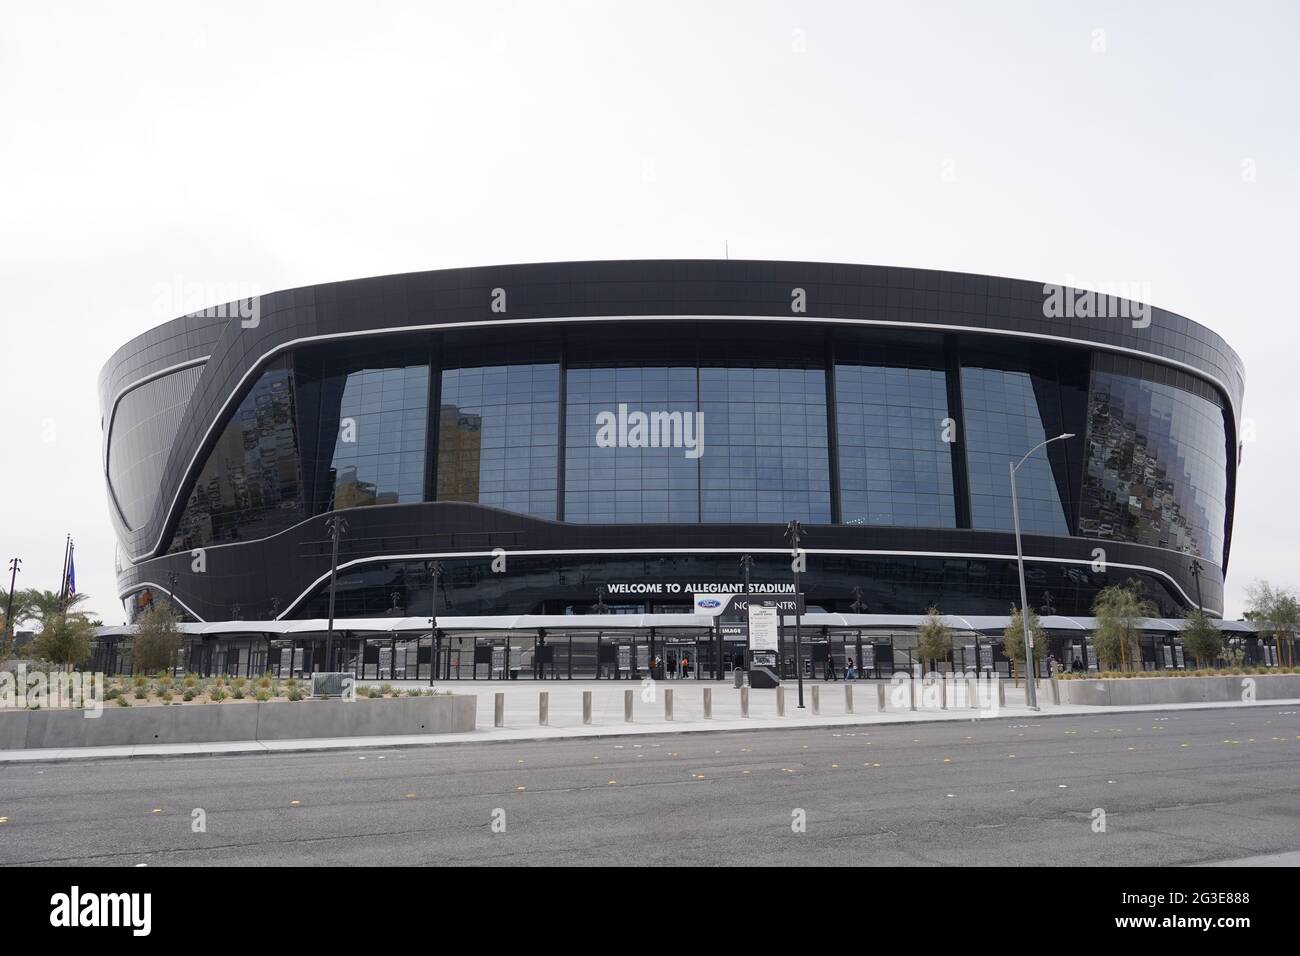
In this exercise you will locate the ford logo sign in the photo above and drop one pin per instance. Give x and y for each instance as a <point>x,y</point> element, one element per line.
<point>710,602</point>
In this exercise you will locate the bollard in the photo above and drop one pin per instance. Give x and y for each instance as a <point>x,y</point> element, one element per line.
<point>881,697</point>
<point>780,701</point>
<point>848,698</point>
<point>668,704</point>
<point>911,693</point>
<point>708,703</point>
<point>816,700</point>
<point>586,706</point>
<point>744,702</point>
<point>943,692</point>
<point>543,708</point>
<point>627,706</point>
<point>1056,691</point>
<point>973,691</point>
<point>499,711</point>
<point>1002,693</point>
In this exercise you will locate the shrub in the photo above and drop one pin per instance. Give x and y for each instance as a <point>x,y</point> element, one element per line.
<point>140,680</point>
<point>141,693</point>
<point>166,697</point>
<point>414,692</point>
<point>123,700</point>
<point>113,693</point>
<point>263,695</point>
<point>239,682</point>
<point>219,695</point>
<point>237,693</point>
<point>265,681</point>
<point>294,693</point>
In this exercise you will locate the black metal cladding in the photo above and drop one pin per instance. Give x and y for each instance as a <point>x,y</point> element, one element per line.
<point>984,313</point>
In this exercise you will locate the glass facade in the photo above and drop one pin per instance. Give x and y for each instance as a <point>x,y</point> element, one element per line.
<point>498,437</point>
<point>1003,420</point>
<point>563,584</point>
<point>251,483</point>
<point>371,431</point>
<point>612,471</point>
<point>143,430</point>
<point>895,466</point>
<point>765,456</point>
<point>751,426</point>
<point>1157,466</point>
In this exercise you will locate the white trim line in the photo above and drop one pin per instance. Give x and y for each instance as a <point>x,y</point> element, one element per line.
<point>634,551</point>
<point>428,327</point>
<point>139,586</point>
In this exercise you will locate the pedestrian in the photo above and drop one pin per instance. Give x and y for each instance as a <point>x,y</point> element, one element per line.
<point>686,667</point>
<point>672,666</point>
<point>830,665</point>
<point>850,669</point>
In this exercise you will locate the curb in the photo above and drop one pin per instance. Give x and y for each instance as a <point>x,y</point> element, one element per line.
<point>458,740</point>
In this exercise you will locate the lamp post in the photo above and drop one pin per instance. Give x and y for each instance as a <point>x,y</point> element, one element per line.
<point>1196,570</point>
<point>1031,688</point>
<point>857,607</point>
<point>435,573</point>
<point>15,565</point>
<point>337,526</point>
<point>792,531</point>
<point>746,566</point>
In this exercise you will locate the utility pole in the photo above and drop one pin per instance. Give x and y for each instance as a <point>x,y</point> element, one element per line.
<point>15,565</point>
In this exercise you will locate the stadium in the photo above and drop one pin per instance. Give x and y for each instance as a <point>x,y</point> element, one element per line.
<point>561,445</point>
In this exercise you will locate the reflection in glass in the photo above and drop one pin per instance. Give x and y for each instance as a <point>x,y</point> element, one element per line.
<point>143,430</point>
<point>1157,466</point>
<point>895,467</point>
<point>251,483</point>
<point>1003,421</point>
<point>498,437</point>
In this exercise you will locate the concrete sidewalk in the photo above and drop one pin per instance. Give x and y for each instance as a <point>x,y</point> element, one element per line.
<point>565,716</point>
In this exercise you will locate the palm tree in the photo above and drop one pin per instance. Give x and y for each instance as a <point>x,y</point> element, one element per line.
<point>45,606</point>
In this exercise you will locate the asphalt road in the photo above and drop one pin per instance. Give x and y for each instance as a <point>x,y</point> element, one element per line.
<point>1176,787</point>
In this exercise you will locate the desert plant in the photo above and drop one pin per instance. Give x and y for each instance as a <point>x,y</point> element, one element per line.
<point>262,695</point>
<point>219,694</point>
<point>1201,638</point>
<point>166,697</point>
<point>294,693</point>
<point>1013,641</point>
<point>157,638</point>
<point>123,700</point>
<point>65,639</point>
<point>1118,610</point>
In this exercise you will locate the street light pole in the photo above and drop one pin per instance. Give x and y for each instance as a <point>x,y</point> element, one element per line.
<point>435,572</point>
<point>1031,675</point>
<point>793,531</point>
<point>1196,570</point>
<point>747,565</point>
<point>337,526</point>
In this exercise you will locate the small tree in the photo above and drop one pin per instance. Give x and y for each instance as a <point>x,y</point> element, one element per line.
<point>157,639</point>
<point>1119,610</point>
<point>1201,638</point>
<point>1013,641</point>
<point>933,639</point>
<point>1277,612</point>
<point>65,639</point>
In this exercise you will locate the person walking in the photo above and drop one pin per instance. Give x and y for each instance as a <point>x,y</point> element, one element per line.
<point>830,665</point>
<point>672,666</point>
<point>686,667</point>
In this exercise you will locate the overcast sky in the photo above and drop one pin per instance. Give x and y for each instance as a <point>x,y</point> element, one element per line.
<point>278,144</point>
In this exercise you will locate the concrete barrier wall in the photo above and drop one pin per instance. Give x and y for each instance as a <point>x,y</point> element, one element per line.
<point>1132,691</point>
<point>208,723</point>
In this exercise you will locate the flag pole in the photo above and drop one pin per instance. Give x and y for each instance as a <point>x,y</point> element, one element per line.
<point>63,581</point>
